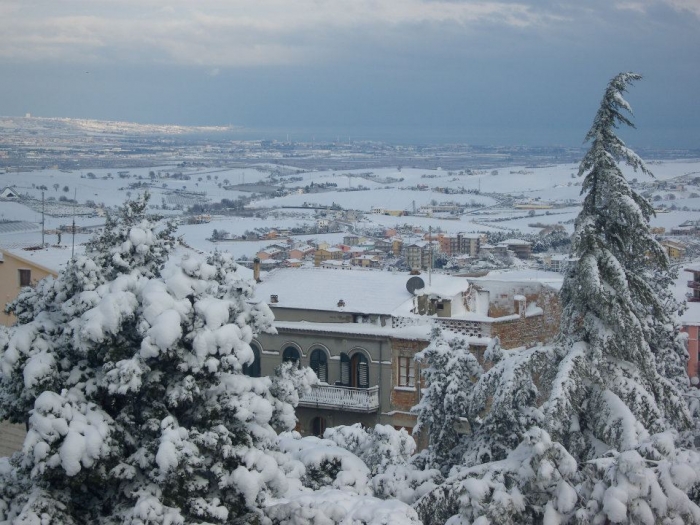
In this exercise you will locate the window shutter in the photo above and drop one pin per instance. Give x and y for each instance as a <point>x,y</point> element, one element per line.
<point>344,369</point>
<point>363,375</point>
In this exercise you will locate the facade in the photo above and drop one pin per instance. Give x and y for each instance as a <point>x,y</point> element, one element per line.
<point>17,272</point>
<point>359,330</point>
<point>460,243</point>
<point>521,249</point>
<point>674,250</point>
<point>351,240</point>
<point>327,254</point>
<point>419,255</point>
<point>690,321</point>
<point>300,252</point>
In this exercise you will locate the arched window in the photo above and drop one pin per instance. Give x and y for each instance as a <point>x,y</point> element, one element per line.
<point>319,364</point>
<point>290,354</point>
<point>359,371</point>
<point>253,369</point>
<point>318,426</point>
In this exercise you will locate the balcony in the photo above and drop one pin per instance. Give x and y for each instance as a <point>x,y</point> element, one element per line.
<point>342,398</point>
<point>695,285</point>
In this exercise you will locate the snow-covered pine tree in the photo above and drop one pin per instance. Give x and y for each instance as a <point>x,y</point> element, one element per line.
<point>613,415</point>
<point>617,382</point>
<point>449,370</point>
<point>130,377</point>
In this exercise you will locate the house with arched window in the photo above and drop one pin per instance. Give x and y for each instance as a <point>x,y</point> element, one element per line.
<point>360,330</point>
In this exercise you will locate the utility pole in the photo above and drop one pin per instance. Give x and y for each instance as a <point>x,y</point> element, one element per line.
<point>42,220</point>
<point>72,251</point>
<point>430,264</point>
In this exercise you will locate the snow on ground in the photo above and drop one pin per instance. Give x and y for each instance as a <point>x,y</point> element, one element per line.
<point>548,184</point>
<point>391,199</point>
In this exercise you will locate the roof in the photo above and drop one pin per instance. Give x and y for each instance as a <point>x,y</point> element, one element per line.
<point>367,292</point>
<point>515,242</point>
<point>553,280</point>
<point>415,332</point>
<point>51,259</point>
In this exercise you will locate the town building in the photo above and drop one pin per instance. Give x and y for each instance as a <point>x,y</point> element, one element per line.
<point>20,268</point>
<point>359,330</point>
<point>9,194</point>
<point>420,255</point>
<point>690,318</point>
<point>522,249</point>
<point>326,254</point>
<point>460,243</point>
<point>674,249</point>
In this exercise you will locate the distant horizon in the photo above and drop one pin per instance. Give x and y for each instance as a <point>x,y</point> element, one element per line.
<point>389,135</point>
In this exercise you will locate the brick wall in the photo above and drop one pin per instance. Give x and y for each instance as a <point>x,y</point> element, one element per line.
<point>528,331</point>
<point>403,399</point>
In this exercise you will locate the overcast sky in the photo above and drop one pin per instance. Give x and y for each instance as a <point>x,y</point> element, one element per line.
<point>482,72</point>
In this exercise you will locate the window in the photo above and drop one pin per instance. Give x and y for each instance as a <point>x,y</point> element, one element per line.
<point>354,371</point>
<point>25,277</point>
<point>318,426</point>
<point>290,354</point>
<point>319,364</point>
<point>359,371</point>
<point>407,372</point>
<point>253,369</point>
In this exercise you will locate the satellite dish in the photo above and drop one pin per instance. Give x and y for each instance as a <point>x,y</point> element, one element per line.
<point>414,283</point>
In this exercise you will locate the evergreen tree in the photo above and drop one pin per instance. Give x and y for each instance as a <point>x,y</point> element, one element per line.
<point>128,370</point>
<point>605,404</point>
<point>449,370</point>
<point>618,337</point>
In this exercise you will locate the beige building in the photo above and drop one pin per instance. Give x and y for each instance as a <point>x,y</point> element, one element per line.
<point>17,271</point>
<point>20,268</point>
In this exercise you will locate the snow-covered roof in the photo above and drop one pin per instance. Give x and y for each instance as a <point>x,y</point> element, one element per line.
<point>415,332</point>
<point>514,242</point>
<point>363,291</point>
<point>51,258</point>
<point>552,279</point>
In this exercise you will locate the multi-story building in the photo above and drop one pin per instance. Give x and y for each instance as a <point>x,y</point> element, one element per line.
<point>690,320</point>
<point>359,330</point>
<point>460,243</point>
<point>521,249</point>
<point>420,255</point>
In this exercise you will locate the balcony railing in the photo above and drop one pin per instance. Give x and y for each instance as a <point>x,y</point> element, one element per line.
<point>342,398</point>
<point>695,285</point>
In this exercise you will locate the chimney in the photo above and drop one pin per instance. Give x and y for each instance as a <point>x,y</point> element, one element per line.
<point>341,303</point>
<point>256,269</point>
<point>274,299</point>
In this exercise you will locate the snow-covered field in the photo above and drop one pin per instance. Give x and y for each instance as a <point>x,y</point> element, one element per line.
<point>389,188</point>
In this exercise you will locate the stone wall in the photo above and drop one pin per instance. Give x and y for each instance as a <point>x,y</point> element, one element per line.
<point>529,330</point>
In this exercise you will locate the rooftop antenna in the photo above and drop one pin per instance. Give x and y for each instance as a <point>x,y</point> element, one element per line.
<point>43,224</point>
<point>72,250</point>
